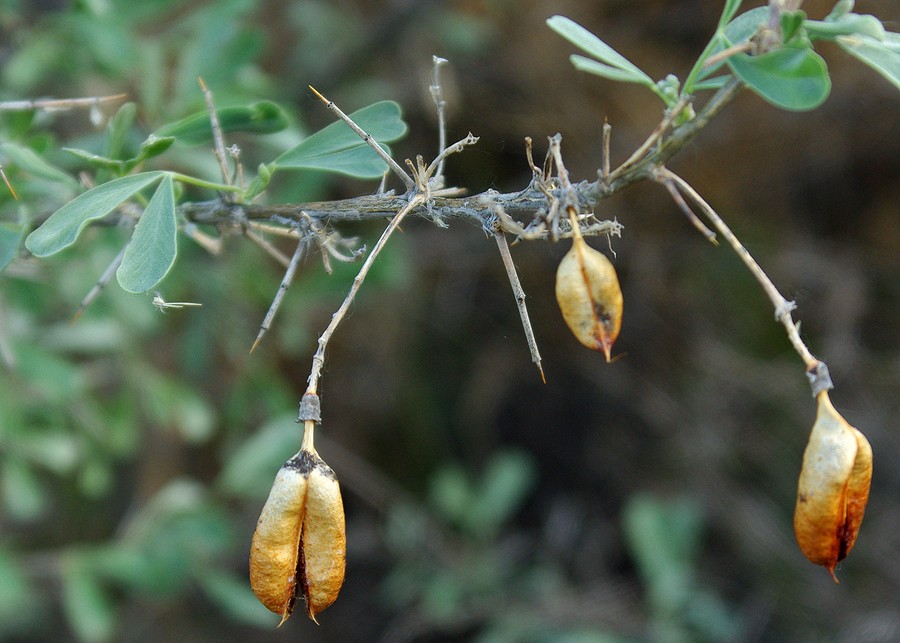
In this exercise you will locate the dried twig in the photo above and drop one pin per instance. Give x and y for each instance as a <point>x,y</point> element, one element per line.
<point>57,104</point>
<point>270,250</point>
<point>437,95</point>
<point>371,142</point>
<point>98,287</point>
<point>218,137</point>
<point>282,289</point>
<point>782,306</point>
<point>319,358</point>
<point>654,138</point>
<point>692,217</point>
<point>519,294</point>
<point>607,135</point>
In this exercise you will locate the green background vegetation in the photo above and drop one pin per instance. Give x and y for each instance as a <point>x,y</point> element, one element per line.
<point>650,499</point>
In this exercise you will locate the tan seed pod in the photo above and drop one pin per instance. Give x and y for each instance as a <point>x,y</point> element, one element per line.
<point>299,546</point>
<point>589,296</point>
<point>833,488</point>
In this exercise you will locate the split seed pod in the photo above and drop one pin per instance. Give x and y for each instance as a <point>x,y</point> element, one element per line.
<point>299,547</point>
<point>833,488</point>
<point>589,296</point>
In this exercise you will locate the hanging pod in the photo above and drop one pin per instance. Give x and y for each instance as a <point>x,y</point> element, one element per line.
<point>299,547</point>
<point>589,296</point>
<point>833,488</point>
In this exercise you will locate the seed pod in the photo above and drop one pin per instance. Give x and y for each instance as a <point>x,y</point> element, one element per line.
<point>588,294</point>
<point>833,488</point>
<point>299,547</point>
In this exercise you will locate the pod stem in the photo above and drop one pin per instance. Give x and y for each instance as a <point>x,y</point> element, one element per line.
<point>816,369</point>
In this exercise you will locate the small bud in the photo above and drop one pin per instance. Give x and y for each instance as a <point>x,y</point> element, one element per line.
<point>299,546</point>
<point>833,488</point>
<point>588,294</point>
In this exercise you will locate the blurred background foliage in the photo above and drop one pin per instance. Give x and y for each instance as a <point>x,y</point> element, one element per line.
<point>650,499</point>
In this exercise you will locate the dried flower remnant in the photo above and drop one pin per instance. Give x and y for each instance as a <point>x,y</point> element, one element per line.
<point>299,547</point>
<point>833,488</point>
<point>589,296</point>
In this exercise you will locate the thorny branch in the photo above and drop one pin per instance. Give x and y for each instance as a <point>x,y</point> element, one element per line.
<point>550,207</point>
<point>533,213</point>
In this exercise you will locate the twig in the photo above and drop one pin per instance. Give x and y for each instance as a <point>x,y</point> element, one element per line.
<point>782,306</point>
<point>692,217</point>
<point>371,142</point>
<point>218,137</point>
<point>213,245</point>
<point>319,358</point>
<point>282,289</point>
<point>271,250</point>
<point>435,167</point>
<point>607,135</point>
<point>437,95</point>
<point>728,53</point>
<point>57,104</point>
<point>519,294</point>
<point>100,283</point>
<point>655,136</point>
<point>293,233</point>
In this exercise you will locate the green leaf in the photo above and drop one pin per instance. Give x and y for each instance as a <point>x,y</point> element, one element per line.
<point>87,606</point>
<point>10,237</point>
<point>116,166</point>
<point>716,82</point>
<point>153,146</point>
<point>153,246</point>
<point>337,148</point>
<point>745,25</point>
<point>592,45</point>
<point>581,63</point>
<point>263,117</point>
<point>731,7</point>
<point>118,130</point>
<point>790,78</point>
<point>847,25</point>
<point>62,228</point>
<point>791,24</point>
<point>882,56</point>
<point>30,162</point>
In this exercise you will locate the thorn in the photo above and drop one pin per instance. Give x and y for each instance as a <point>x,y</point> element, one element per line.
<point>318,95</point>
<point>540,368</point>
<point>8,184</point>
<point>257,342</point>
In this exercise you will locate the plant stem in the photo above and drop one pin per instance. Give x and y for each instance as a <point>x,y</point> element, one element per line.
<point>319,358</point>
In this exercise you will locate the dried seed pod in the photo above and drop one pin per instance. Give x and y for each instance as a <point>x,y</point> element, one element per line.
<point>833,488</point>
<point>299,547</point>
<point>588,294</point>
